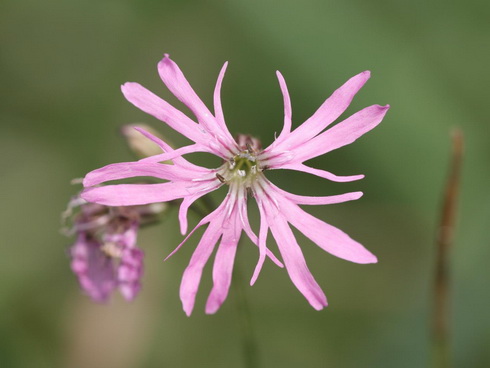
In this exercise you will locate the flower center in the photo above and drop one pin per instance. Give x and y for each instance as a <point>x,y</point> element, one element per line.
<point>243,168</point>
<point>244,164</point>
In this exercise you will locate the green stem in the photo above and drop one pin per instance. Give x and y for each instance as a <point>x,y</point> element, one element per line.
<point>250,350</point>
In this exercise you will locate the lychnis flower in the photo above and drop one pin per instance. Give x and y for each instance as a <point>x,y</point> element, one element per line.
<point>105,256</point>
<point>243,171</point>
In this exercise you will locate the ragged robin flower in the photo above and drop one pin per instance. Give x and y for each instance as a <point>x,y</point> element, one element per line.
<point>244,172</point>
<point>105,256</point>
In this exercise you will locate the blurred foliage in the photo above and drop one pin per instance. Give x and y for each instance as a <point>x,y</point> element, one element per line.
<point>61,65</point>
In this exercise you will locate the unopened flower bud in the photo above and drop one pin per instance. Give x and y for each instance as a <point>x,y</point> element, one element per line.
<point>138,143</point>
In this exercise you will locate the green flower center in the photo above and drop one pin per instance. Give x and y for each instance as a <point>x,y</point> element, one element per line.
<point>242,169</point>
<point>243,165</point>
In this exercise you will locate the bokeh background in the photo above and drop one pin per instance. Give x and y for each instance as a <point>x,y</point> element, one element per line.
<point>61,65</point>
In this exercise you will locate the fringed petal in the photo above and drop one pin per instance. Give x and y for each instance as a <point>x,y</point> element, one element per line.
<point>126,170</point>
<point>321,173</point>
<point>308,200</point>
<point>136,194</point>
<point>328,112</point>
<point>150,103</point>
<point>342,134</point>
<point>223,264</point>
<point>176,82</point>
<point>193,272</point>
<point>188,201</point>
<point>295,263</point>
<point>327,237</point>
<point>286,129</point>
<point>264,229</point>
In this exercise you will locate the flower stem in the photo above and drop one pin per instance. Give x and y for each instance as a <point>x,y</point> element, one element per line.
<point>245,321</point>
<point>441,345</point>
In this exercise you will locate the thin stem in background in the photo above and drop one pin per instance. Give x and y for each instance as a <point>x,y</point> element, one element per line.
<point>441,344</point>
<point>248,338</point>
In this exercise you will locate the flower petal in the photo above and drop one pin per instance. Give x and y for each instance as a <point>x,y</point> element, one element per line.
<point>176,82</point>
<point>264,229</point>
<point>125,170</point>
<point>286,129</point>
<point>188,201</point>
<point>295,263</point>
<point>210,217</point>
<point>330,110</point>
<point>223,265</point>
<point>130,272</point>
<point>321,173</point>
<point>150,103</point>
<point>136,194</point>
<point>326,236</point>
<point>242,209</point>
<point>343,133</point>
<point>193,272</point>
<point>95,271</point>
<point>218,109</point>
<point>299,199</point>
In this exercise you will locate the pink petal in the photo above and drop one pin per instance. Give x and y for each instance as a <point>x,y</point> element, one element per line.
<point>95,271</point>
<point>320,173</point>
<point>264,228</point>
<point>193,272</point>
<point>135,169</point>
<point>136,194</point>
<point>218,109</point>
<point>130,272</point>
<point>150,103</point>
<point>223,265</point>
<point>295,263</point>
<point>326,236</point>
<point>330,110</point>
<point>242,208</point>
<point>299,199</point>
<point>242,211</point>
<point>343,133</point>
<point>275,159</point>
<point>217,212</point>
<point>188,201</point>
<point>176,82</point>
<point>287,107</point>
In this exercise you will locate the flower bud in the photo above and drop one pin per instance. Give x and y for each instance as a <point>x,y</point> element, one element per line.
<point>140,145</point>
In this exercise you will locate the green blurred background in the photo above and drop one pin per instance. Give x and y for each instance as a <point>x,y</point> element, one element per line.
<point>61,65</point>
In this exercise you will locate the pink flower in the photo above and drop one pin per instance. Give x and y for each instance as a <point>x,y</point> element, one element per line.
<point>243,171</point>
<point>105,255</point>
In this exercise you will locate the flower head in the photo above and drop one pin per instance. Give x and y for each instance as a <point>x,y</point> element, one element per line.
<point>105,255</point>
<point>243,171</point>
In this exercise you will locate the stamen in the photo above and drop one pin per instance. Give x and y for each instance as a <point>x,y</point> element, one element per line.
<point>221,178</point>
